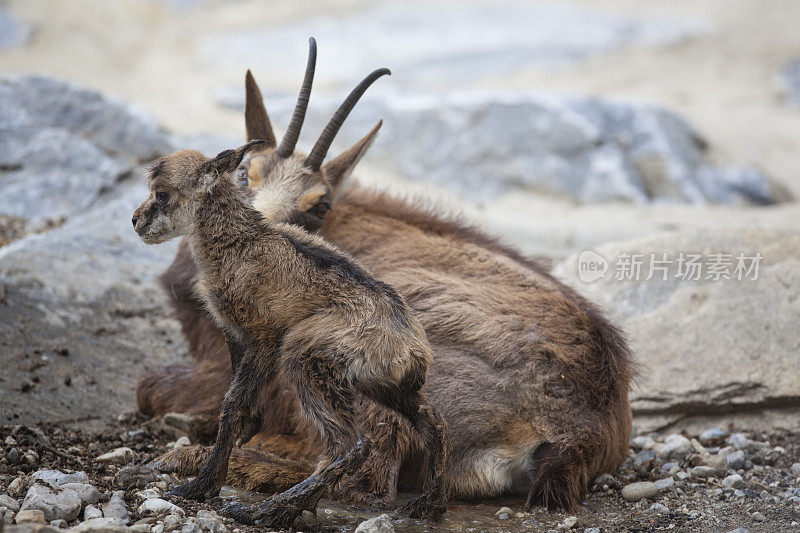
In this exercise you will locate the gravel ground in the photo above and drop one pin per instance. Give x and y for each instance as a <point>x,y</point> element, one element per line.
<point>716,481</point>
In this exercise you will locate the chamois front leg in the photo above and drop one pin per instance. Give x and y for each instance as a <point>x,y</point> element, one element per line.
<point>253,374</point>
<point>251,423</point>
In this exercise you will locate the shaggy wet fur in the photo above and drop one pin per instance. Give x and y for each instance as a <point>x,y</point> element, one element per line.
<point>532,380</point>
<point>291,305</point>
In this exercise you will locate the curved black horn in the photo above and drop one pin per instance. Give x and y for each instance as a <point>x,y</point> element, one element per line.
<point>320,149</point>
<point>293,131</point>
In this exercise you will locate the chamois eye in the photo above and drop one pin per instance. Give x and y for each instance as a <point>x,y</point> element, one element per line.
<point>162,197</point>
<point>321,209</point>
<point>241,177</point>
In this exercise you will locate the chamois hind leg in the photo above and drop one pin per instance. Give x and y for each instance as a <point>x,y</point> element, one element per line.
<point>328,400</point>
<point>248,468</point>
<point>253,375</point>
<point>430,424</point>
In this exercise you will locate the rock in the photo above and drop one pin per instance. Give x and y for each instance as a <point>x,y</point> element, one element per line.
<point>703,321</point>
<point>181,442</point>
<point>666,483</point>
<point>90,511</point>
<point>796,469</point>
<point>735,460</point>
<point>739,530</point>
<point>666,467</point>
<point>739,441</point>
<point>592,530</point>
<point>64,145</point>
<point>59,523</point>
<point>18,487</point>
<point>703,471</point>
<point>568,523</point>
<point>642,443</point>
<point>104,525</point>
<point>211,521</point>
<point>658,508</point>
<point>586,149</point>
<point>675,447</point>
<point>639,491</point>
<point>172,522</point>
<point>56,503</point>
<point>682,475</point>
<point>718,463</point>
<point>790,77</point>
<point>119,456</point>
<point>9,503</point>
<point>87,493</point>
<point>135,476</point>
<point>35,516</point>
<point>379,524</point>
<point>759,517</point>
<point>644,459</point>
<point>712,436</point>
<point>115,508</point>
<point>191,527</point>
<point>147,494</point>
<point>58,478</point>
<point>605,479</point>
<point>734,481</point>
<point>158,507</point>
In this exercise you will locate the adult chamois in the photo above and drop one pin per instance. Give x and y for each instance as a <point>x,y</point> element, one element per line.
<point>291,305</point>
<point>530,377</point>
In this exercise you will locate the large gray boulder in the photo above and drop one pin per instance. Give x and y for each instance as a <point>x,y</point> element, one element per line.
<point>707,346</point>
<point>81,313</point>
<point>62,146</point>
<point>586,149</point>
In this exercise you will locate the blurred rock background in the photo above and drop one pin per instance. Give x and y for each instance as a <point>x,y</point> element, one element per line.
<point>665,126</point>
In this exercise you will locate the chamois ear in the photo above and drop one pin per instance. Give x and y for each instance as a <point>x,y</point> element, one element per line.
<point>340,167</point>
<point>256,119</point>
<point>225,162</point>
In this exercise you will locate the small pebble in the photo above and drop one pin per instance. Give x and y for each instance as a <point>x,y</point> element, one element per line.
<point>30,516</point>
<point>666,483</point>
<point>675,447</point>
<point>735,460</point>
<point>703,471</point>
<point>10,441</point>
<point>121,455</point>
<point>738,441</point>
<point>182,442</point>
<point>712,436</point>
<point>734,481</point>
<point>796,469</point>
<point>759,517</point>
<point>568,523</point>
<point>639,491</point>
<point>379,524</point>
<point>642,443</point>
<point>658,508</point>
<point>9,503</point>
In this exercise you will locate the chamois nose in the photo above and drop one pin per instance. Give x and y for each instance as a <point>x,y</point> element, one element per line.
<point>134,219</point>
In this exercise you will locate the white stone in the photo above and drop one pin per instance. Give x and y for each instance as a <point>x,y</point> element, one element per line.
<point>734,481</point>
<point>568,523</point>
<point>211,521</point>
<point>115,508</point>
<point>55,502</point>
<point>9,503</point>
<point>158,506</point>
<point>121,455</point>
<point>28,516</point>
<point>639,491</point>
<point>58,478</point>
<point>379,524</point>
<point>182,442</point>
<point>90,511</point>
<point>88,493</point>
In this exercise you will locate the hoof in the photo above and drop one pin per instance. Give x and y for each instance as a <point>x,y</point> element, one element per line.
<point>194,491</point>
<point>240,512</point>
<point>423,508</point>
<point>276,514</point>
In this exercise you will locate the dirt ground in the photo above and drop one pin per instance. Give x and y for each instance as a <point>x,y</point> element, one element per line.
<point>691,504</point>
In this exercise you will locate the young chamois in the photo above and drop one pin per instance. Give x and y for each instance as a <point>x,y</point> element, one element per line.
<point>292,305</point>
<point>531,378</point>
